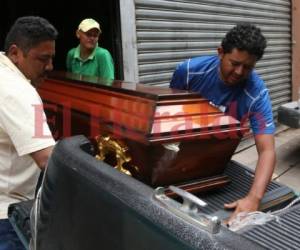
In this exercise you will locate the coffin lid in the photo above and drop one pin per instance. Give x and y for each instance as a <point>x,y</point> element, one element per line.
<point>148,114</point>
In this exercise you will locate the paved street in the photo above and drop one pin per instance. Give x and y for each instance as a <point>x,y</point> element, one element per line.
<point>287,169</point>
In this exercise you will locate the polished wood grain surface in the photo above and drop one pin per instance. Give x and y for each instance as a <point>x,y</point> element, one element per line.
<point>130,88</point>
<point>172,135</point>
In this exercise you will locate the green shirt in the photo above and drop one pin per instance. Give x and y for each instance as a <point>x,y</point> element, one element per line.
<point>99,63</point>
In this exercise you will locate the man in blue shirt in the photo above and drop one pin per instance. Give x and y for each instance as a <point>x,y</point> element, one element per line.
<point>229,81</point>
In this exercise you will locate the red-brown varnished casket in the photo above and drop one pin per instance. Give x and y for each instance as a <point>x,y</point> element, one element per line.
<point>161,136</point>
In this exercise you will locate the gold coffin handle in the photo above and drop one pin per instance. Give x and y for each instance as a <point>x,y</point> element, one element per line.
<point>106,144</point>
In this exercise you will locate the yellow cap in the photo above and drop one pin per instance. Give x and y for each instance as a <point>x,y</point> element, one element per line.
<point>88,24</point>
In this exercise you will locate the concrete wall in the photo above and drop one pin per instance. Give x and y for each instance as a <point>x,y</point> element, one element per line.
<point>129,40</point>
<point>295,48</point>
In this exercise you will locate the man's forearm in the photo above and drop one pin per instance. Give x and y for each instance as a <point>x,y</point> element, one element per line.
<point>263,173</point>
<point>41,157</point>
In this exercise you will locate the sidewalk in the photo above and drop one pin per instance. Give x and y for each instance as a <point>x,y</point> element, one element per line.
<point>287,171</point>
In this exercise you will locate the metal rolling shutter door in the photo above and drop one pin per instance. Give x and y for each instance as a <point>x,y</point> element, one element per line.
<point>169,32</point>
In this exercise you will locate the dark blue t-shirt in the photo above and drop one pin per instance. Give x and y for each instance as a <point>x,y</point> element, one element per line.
<point>248,100</point>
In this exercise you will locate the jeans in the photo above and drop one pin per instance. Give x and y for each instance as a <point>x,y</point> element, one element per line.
<point>8,237</point>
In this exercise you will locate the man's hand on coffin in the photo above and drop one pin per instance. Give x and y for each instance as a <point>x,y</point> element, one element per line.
<point>246,204</point>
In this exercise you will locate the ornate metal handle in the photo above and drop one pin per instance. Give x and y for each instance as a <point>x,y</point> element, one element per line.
<point>106,144</point>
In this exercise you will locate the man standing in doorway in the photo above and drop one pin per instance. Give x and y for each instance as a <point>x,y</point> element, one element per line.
<point>88,58</point>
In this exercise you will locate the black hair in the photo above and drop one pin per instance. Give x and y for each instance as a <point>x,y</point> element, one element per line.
<point>29,31</point>
<point>245,37</point>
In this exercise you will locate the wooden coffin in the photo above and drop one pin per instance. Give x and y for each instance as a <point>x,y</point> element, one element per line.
<point>159,135</point>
